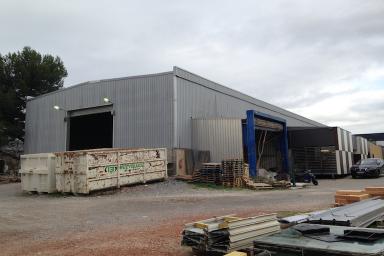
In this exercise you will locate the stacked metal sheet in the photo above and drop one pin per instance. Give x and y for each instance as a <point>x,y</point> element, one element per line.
<point>232,169</point>
<point>326,241</point>
<point>228,233</point>
<point>359,214</point>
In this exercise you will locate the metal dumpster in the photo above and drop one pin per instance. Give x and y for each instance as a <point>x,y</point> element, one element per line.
<point>89,170</point>
<point>38,173</point>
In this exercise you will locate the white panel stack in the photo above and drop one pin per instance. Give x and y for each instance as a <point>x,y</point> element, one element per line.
<point>360,147</point>
<point>344,152</point>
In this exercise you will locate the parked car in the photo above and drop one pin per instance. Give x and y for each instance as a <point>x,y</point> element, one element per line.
<point>370,167</point>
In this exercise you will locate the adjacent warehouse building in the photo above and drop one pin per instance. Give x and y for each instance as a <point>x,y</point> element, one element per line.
<point>155,110</point>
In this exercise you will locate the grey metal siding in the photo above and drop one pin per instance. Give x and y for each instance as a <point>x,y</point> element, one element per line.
<point>200,98</point>
<point>143,107</point>
<point>222,137</point>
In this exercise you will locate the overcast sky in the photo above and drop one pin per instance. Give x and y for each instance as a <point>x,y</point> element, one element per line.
<point>321,59</point>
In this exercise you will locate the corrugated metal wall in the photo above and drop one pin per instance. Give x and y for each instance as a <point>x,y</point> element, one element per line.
<point>222,137</point>
<point>200,98</point>
<point>145,108</point>
<point>143,112</point>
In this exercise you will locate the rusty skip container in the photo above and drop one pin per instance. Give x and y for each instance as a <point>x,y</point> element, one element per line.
<point>80,172</point>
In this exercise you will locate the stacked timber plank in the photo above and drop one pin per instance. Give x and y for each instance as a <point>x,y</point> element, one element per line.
<point>375,191</point>
<point>228,233</point>
<point>343,197</point>
<point>233,171</point>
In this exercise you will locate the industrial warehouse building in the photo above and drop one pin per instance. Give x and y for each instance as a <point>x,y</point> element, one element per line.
<point>174,110</point>
<point>153,110</point>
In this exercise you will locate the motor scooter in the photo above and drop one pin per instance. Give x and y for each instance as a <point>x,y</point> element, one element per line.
<point>307,177</point>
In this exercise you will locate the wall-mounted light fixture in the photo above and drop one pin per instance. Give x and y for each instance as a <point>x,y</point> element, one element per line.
<point>58,108</point>
<point>108,101</point>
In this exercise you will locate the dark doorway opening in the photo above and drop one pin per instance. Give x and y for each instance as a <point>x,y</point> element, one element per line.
<point>356,158</point>
<point>91,131</point>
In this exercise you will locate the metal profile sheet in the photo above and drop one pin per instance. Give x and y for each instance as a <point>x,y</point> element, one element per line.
<point>249,221</point>
<point>228,233</point>
<point>296,219</point>
<point>221,136</point>
<point>290,242</point>
<point>254,231</point>
<point>359,214</point>
<point>245,243</point>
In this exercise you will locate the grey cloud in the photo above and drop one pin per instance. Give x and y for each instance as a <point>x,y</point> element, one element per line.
<point>283,52</point>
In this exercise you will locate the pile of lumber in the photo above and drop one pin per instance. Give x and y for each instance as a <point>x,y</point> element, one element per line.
<point>343,197</point>
<point>232,173</point>
<point>227,233</point>
<point>375,191</point>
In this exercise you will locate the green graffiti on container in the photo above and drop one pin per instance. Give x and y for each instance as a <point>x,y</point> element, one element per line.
<point>124,167</point>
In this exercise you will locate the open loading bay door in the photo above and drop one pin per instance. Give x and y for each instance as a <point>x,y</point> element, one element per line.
<point>265,143</point>
<point>89,130</point>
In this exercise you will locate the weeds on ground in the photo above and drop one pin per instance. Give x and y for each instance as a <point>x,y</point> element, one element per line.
<point>214,187</point>
<point>284,214</point>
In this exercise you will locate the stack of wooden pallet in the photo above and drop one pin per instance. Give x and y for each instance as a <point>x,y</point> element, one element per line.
<point>281,184</point>
<point>211,173</point>
<point>344,197</point>
<point>256,185</point>
<point>233,170</point>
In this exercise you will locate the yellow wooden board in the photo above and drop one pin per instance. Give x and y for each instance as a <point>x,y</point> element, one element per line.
<point>236,253</point>
<point>352,197</point>
<point>350,192</point>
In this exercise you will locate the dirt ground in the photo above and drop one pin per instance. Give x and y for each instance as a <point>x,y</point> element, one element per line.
<point>139,220</point>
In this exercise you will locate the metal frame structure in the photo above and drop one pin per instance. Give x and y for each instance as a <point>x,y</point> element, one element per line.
<point>249,139</point>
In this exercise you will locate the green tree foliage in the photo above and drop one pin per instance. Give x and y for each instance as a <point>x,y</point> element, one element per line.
<point>23,74</point>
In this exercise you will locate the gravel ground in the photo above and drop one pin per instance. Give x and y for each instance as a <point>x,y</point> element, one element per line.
<point>139,220</point>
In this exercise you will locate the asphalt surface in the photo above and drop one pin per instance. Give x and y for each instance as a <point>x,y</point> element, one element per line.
<point>152,215</point>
